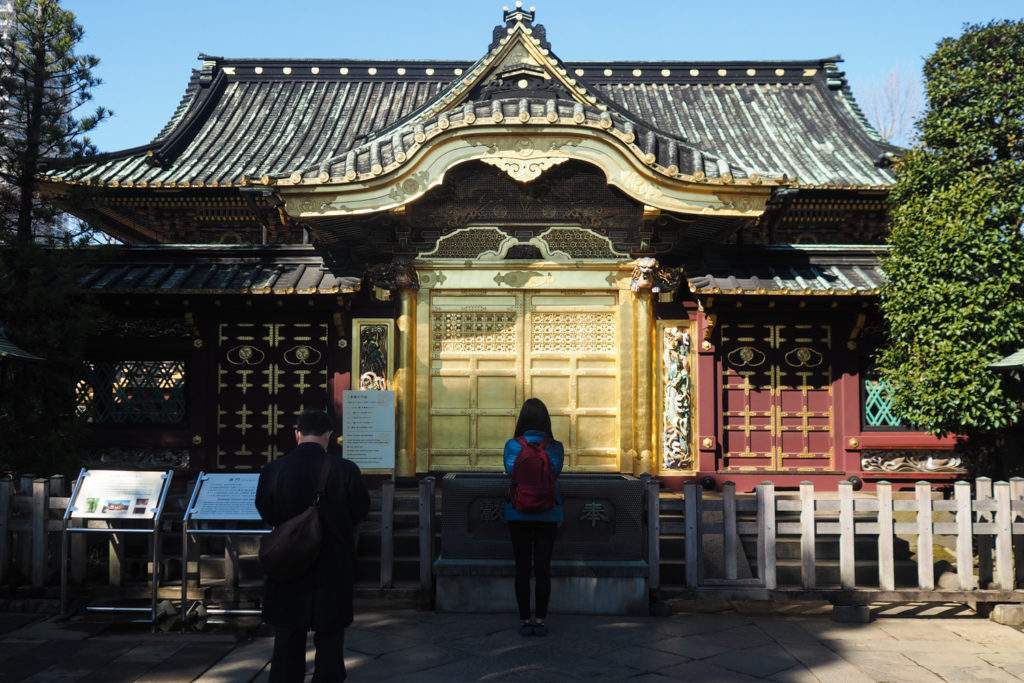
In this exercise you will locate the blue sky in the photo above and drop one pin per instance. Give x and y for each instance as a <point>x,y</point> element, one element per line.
<point>147,48</point>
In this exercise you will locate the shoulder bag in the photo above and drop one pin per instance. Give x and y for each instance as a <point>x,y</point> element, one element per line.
<point>290,549</point>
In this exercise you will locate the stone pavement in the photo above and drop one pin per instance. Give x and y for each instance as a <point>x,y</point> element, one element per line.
<point>711,642</point>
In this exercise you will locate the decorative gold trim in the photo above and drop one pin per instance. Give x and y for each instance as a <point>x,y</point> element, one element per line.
<point>523,170</point>
<point>426,169</point>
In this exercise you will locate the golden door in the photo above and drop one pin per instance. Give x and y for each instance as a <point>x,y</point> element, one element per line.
<point>491,350</point>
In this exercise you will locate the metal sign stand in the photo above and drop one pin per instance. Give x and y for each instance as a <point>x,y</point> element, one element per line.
<point>116,496</point>
<point>223,498</point>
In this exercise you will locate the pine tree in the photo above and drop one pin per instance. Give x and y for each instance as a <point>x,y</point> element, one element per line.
<point>43,83</point>
<point>955,297</point>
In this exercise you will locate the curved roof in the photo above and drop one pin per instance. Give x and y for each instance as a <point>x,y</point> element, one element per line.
<point>790,269</point>
<point>299,121</point>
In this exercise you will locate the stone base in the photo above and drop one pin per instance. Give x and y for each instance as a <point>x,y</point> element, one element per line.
<point>851,614</point>
<point>1008,614</point>
<point>485,587</point>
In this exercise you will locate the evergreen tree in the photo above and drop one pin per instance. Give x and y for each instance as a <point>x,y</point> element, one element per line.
<point>955,297</point>
<point>42,84</point>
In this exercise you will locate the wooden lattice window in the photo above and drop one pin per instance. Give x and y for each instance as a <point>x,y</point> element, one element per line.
<point>876,407</point>
<point>132,392</point>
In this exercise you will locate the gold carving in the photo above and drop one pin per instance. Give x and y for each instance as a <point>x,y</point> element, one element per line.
<point>634,182</point>
<point>302,355</point>
<point>473,332</point>
<point>245,355</point>
<point>908,461</point>
<point>804,357</point>
<point>746,355</point>
<point>707,442</point>
<point>468,243</point>
<point>573,332</point>
<point>523,158</point>
<point>517,279</point>
<point>523,171</point>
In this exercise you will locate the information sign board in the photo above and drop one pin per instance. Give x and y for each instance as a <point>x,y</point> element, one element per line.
<point>118,494</point>
<point>368,419</point>
<point>226,496</point>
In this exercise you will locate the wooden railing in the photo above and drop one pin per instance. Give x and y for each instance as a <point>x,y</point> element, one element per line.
<point>30,525</point>
<point>32,509</point>
<point>981,525</point>
<point>987,532</point>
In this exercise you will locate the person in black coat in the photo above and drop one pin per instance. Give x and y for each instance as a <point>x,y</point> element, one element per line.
<point>321,599</point>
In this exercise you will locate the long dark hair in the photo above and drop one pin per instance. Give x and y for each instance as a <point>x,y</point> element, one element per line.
<point>533,415</point>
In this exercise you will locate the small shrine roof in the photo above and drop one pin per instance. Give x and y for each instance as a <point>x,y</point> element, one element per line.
<point>292,121</point>
<point>9,348</point>
<point>219,269</point>
<point>790,269</point>
<point>1014,361</point>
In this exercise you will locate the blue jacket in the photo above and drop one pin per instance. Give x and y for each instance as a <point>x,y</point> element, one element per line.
<point>556,454</point>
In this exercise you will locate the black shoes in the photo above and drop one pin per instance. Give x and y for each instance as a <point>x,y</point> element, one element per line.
<point>532,628</point>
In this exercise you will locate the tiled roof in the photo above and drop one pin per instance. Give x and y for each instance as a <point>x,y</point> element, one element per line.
<point>340,119</point>
<point>184,269</point>
<point>790,269</point>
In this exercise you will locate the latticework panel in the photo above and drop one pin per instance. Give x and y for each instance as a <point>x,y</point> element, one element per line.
<point>132,392</point>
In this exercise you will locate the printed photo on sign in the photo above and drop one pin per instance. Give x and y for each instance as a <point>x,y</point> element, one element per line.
<point>118,493</point>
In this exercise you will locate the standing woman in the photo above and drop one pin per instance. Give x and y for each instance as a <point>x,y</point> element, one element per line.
<point>533,533</point>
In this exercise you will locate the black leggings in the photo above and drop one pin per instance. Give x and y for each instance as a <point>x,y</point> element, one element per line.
<point>532,544</point>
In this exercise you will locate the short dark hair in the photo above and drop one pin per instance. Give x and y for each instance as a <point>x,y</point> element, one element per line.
<point>533,415</point>
<point>313,422</point>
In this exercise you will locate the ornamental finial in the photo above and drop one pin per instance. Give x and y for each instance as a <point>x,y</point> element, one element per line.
<point>518,14</point>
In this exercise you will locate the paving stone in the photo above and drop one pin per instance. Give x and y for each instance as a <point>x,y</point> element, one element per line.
<point>822,661</point>
<point>248,659</point>
<point>403,645</point>
<point>913,629</point>
<point>694,647</point>
<point>1011,662</point>
<point>704,672</point>
<point>643,658</point>
<point>758,662</point>
<point>796,674</point>
<point>970,673</point>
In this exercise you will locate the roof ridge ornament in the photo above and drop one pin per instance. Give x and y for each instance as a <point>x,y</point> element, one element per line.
<point>518,14</point>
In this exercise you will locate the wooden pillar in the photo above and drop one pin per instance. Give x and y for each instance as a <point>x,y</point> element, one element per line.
<point>405,385</point>
<point>644,372</point>
<point>6,506</point>
<point>40,513</point>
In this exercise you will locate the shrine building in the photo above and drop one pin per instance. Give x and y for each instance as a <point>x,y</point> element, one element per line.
<point>681,259</point>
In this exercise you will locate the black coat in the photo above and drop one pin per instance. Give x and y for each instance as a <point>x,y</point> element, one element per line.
<point>321,599</point>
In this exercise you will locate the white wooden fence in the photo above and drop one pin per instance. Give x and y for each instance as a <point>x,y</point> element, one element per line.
<point>985,533</point>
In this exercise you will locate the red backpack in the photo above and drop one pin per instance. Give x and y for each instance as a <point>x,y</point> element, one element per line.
<point>532,488</point>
